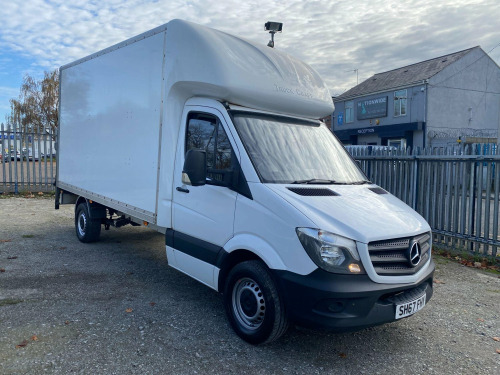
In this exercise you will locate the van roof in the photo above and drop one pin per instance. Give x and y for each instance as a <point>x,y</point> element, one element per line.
<point>201,61</point>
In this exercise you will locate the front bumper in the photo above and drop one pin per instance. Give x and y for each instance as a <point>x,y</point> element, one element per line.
<point>346,302</point>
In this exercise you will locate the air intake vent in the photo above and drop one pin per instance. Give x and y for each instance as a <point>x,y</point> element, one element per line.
<point>313,192</point>
<point>378,190</point>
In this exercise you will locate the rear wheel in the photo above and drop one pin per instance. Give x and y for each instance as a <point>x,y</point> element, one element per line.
<point>253,305</point>
<point>87,230</point>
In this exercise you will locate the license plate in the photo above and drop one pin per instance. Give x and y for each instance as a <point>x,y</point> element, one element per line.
<point>410,308</point>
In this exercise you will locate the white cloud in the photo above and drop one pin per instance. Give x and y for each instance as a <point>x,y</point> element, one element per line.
<point>334,37</point>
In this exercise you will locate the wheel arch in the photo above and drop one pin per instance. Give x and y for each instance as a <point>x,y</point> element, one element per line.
<point>96,210</point>
<point>229,261</point>
<point>246,247</point>
<point>80,200</point>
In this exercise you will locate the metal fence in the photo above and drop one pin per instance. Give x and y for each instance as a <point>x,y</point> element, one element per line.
<point>27,160</point>
<point>456,189</point>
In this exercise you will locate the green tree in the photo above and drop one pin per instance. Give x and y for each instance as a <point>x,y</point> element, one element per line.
<point>37,106</point>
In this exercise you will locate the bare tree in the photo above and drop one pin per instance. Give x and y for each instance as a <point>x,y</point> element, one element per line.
<point>37,105</point>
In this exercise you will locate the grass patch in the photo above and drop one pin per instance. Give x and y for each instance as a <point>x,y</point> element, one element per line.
<point>10,301</point>
<point>485,263</point>
<point>28,235</point>
<point>440,259</point>
<point>29,194</point>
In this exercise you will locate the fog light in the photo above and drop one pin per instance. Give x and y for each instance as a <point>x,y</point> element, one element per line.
<point>354,268</point>
<point>336,306</point>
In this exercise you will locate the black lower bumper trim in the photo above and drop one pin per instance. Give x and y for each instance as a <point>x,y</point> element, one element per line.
<point>337,302</point>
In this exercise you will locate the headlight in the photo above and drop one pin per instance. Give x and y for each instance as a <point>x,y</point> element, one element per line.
<point>329,251</point>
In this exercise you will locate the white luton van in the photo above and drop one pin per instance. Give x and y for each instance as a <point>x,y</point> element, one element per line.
<point>216,142</point>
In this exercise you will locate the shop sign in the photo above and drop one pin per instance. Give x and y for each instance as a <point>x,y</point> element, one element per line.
<point>364,131</point>
<point>372,108</point>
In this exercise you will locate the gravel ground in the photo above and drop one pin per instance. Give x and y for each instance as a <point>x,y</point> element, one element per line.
<point>115,307</point>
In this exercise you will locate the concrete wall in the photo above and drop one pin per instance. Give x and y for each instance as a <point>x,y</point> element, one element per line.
<point>464,100</point>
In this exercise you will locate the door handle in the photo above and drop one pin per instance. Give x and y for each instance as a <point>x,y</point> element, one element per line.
<point>181,189</point>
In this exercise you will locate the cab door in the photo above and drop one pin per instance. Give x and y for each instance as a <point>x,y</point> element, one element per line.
<point>202,216</point>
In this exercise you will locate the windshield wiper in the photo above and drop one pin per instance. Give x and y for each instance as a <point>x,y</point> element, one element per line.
<point>320,181</point>
<point>317,181</point>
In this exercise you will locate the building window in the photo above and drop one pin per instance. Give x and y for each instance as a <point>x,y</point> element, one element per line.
<point>349,112</point>
<point>399,143</point>
<point>400,103</point>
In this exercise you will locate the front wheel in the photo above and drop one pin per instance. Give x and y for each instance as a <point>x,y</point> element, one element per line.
<point>253,305</point>
<point>87,230</point>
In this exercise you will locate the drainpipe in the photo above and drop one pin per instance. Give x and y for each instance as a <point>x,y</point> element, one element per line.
<point>424,127</point>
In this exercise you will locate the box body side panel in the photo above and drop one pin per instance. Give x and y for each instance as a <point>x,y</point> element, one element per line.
<point>110,123</point>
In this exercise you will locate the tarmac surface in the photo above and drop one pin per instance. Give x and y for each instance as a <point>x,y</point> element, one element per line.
<point>115,307</point>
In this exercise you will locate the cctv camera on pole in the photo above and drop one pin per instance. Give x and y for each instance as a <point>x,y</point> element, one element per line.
<point>273,28</point>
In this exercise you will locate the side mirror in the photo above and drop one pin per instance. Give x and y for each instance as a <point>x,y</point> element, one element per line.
<point>194,172</point>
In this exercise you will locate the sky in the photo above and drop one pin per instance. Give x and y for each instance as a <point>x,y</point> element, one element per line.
<point>334,37</point>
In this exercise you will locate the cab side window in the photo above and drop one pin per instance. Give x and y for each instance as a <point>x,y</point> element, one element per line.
<point>205,132</point>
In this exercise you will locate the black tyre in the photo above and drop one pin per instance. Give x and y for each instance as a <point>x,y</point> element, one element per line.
<point>253,305</point>
<point>87,230</point>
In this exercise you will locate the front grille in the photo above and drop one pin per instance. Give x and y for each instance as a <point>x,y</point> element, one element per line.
<point>392,257</point>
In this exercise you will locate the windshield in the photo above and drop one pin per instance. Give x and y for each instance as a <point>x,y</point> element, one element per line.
<point>285,150</point>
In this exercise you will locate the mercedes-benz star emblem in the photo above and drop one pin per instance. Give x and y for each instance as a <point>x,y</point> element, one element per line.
<point>414,254</point>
